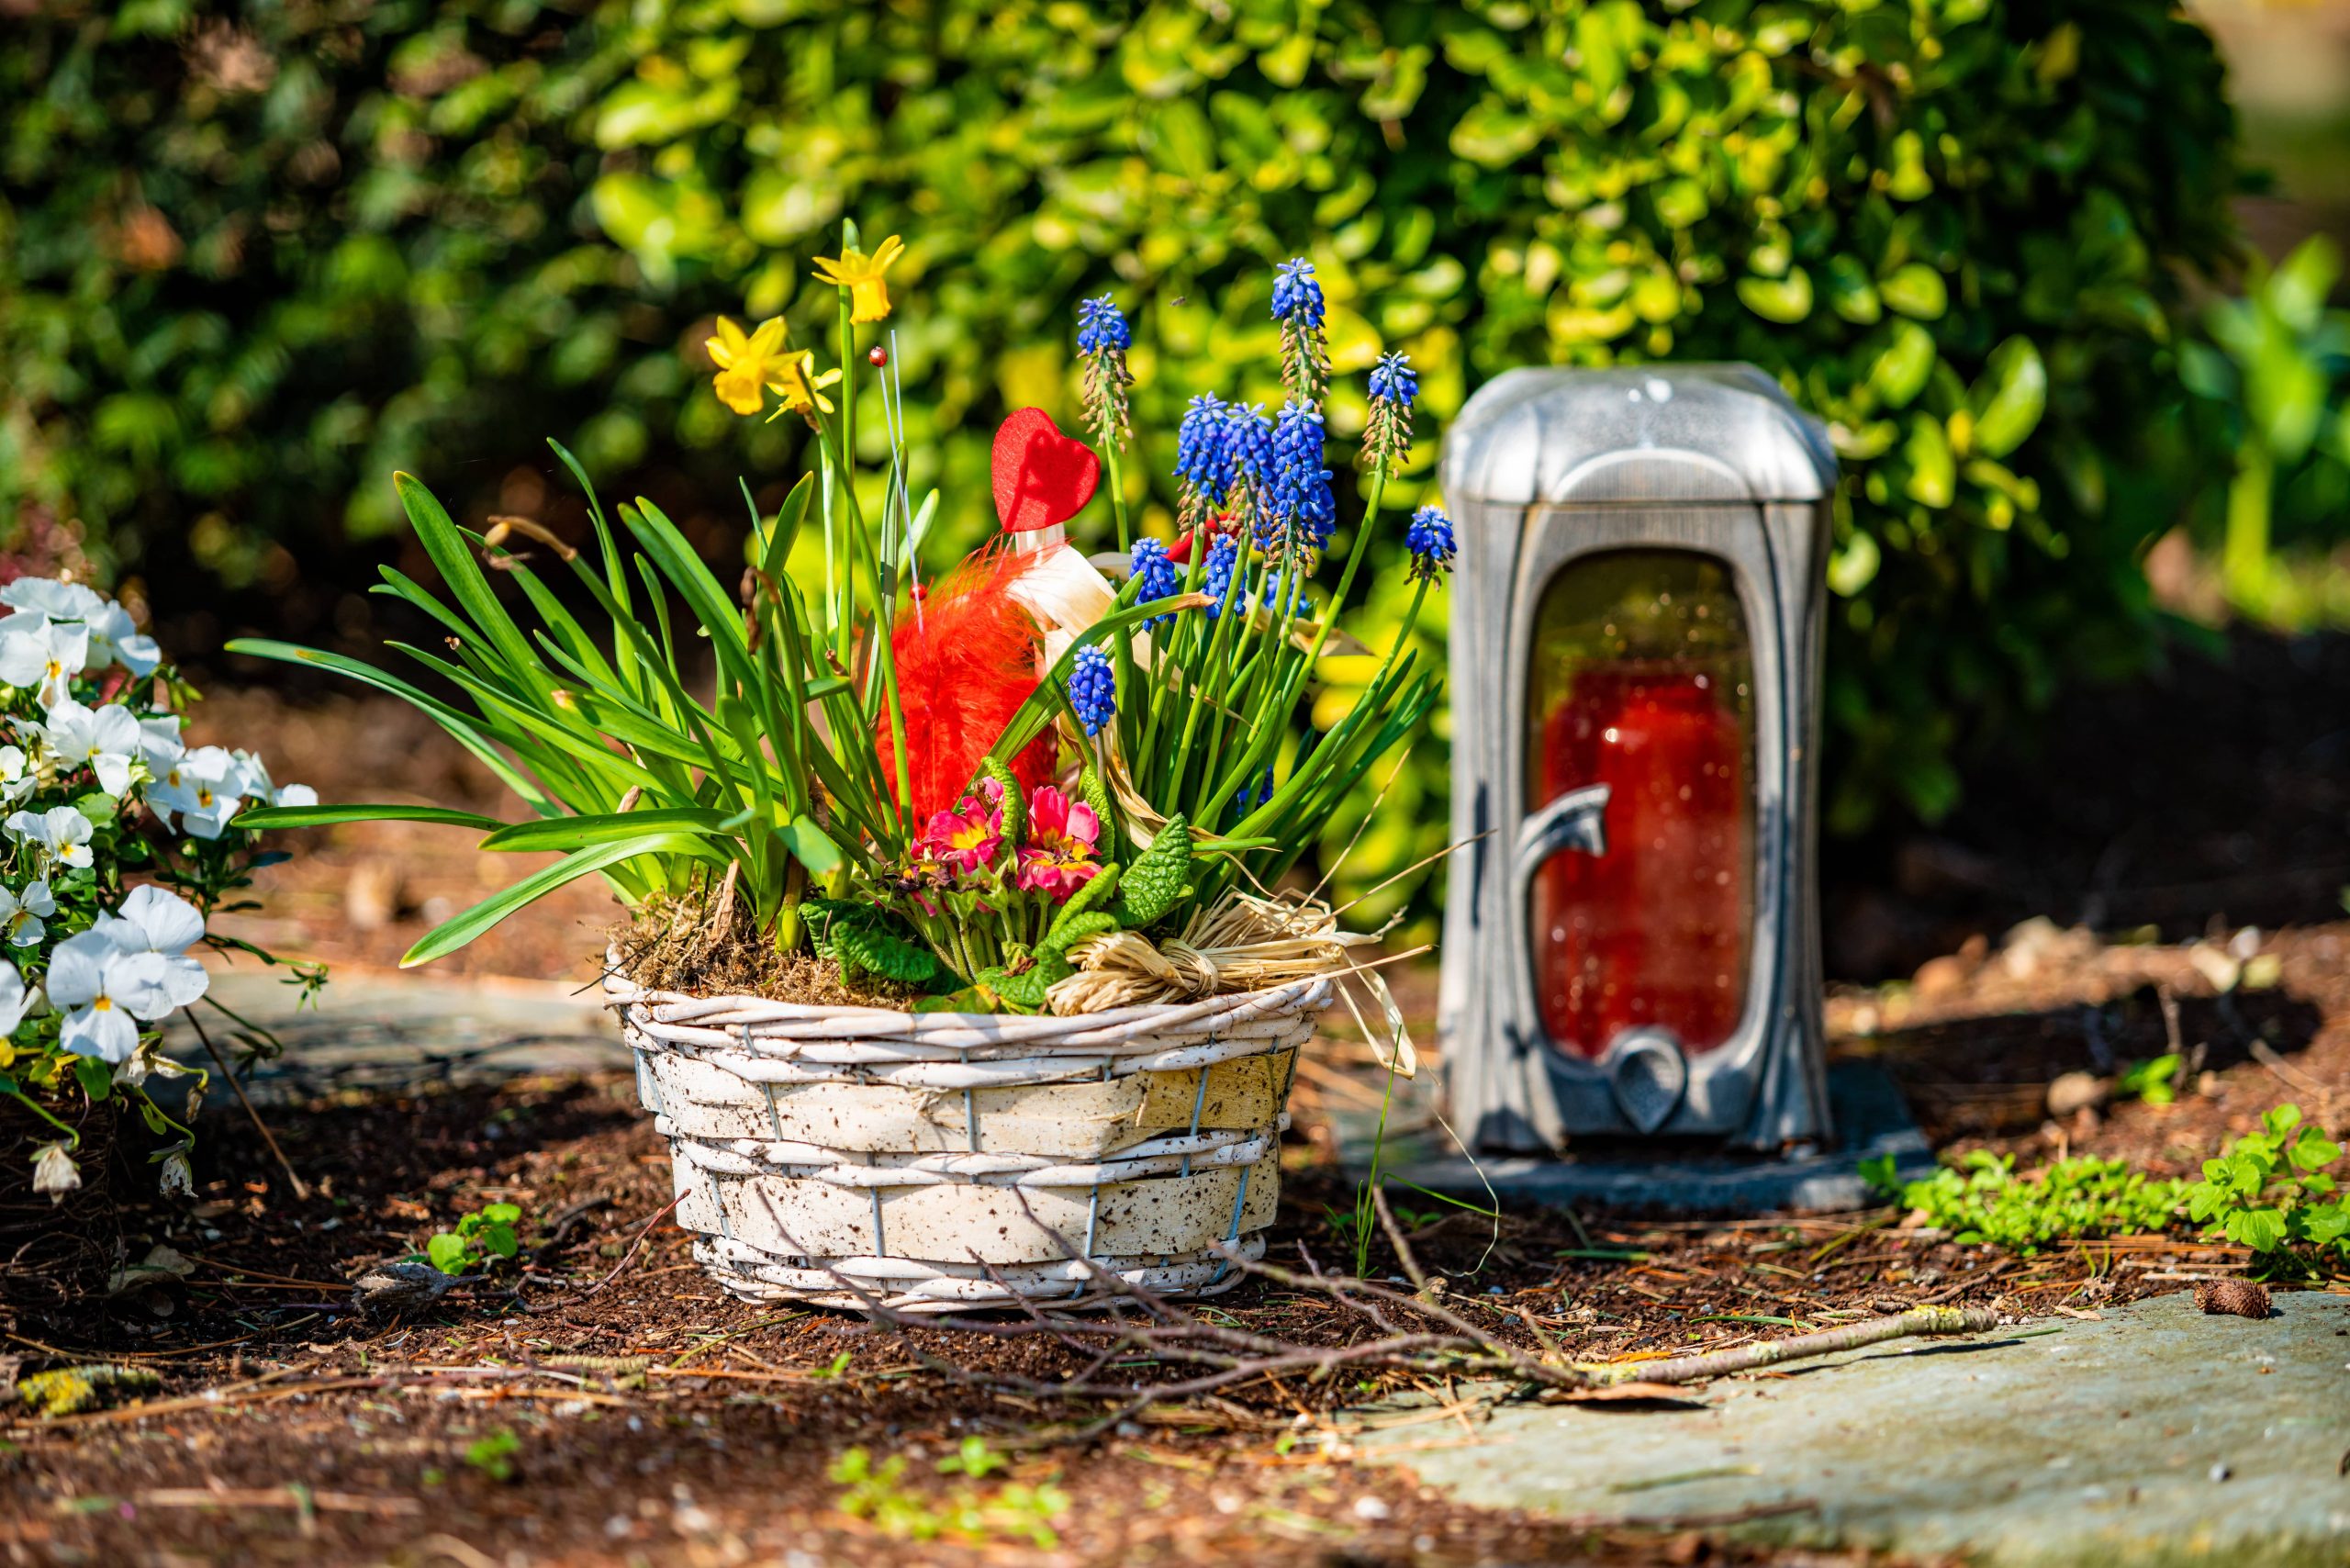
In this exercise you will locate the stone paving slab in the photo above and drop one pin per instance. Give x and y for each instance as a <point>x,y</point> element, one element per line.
<point>390,1031</point>
<point>2157,1436</point>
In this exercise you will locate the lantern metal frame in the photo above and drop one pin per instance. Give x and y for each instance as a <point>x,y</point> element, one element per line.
<point>1544,469</point>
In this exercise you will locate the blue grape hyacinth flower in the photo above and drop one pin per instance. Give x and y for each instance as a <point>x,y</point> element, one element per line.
<point>1092,689</point>
<point>1304,508</point>
<point>1297,292</point>
<point>1101,325</point>
<point>1429,539</point>
<point>1224,554</point>
<point>1155,574</point>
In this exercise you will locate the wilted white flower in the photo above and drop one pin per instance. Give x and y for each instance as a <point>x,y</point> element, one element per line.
<point>54,1172</point>
<point>109,991</point>
<point>14,1000</point>
<point>178,1180</point>
<point>202,785</point>
<point>36,651</point>
<point>59,835</point>
<point>21,914</point>
<point>105,739</point>
<point>17,775</point>
<point>158,921</point>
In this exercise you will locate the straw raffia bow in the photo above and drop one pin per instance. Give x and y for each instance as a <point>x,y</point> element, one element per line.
<point>1241,943</point>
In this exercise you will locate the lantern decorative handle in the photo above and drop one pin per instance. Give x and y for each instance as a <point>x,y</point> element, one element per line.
<point>1576,820</point>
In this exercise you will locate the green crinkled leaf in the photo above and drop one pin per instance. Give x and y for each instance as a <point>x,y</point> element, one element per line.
<point>868,950</point>
<point>1096,893</point>
<point>1097,795</point>
<point>1159,879</point>
<point>1014,806</point>
<point>1024,991</point>
<point>1068,933</point>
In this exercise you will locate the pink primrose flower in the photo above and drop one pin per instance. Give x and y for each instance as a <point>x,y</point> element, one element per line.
<point>1060,855</point>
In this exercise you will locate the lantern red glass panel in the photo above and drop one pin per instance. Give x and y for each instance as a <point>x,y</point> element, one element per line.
<point>1642,680</point>
<point>1630,932</point>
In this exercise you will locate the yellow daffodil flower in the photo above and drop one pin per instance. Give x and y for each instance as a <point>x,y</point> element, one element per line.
<point>746,362</point>
<point>799,388</point>
<point>868,295</point>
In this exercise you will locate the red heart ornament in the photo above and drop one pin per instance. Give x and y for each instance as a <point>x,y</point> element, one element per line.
<point>1042,476</point>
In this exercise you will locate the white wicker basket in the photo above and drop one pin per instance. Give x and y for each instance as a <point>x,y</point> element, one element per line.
<point>946,1160</point>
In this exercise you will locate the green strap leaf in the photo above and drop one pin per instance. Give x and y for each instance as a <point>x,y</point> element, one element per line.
<point>266,817</point>
<point>577,833</point>
<point>474,734</point>
<point>445,543</point>
<point>446,939</point>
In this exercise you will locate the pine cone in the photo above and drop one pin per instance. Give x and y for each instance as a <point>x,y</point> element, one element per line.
<point>2244,1298</point>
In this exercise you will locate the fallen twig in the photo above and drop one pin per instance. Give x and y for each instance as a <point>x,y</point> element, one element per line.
<point>1801,1346</point>
<point>300,1499</point>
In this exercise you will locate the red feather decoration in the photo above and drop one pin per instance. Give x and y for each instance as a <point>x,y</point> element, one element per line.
<point>967,660</point>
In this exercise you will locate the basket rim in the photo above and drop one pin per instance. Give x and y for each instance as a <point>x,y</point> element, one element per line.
<point>623,993</point>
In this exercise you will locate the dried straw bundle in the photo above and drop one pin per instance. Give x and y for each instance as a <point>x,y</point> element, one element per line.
<point>1243,942</point>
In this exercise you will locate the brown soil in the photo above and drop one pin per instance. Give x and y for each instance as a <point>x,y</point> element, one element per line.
<point>291,1430</point>
<point>679,945</point>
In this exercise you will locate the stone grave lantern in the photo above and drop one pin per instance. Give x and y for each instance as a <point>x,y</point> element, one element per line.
<point>1631,940</point>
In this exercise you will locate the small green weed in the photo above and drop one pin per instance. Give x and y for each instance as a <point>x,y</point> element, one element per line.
<point>478,1237</point>
<point>2268,1189</point>
<point>974,1459</point>
<point>1014,1510</point>
<point>494,1455</point>
<point>2155,1081</point>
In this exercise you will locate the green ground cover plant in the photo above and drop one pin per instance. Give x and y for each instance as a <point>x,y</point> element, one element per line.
<point>2270,1190</point>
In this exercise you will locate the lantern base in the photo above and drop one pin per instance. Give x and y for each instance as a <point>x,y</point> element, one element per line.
<point>1670,1175</point>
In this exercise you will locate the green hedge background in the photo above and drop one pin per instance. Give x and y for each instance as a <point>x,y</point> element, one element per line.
<point>254,256</point>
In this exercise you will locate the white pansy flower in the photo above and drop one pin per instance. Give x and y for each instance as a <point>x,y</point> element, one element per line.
<point>17,774</point>
<point>112,637</point>
<point>160,743</point>
<point>115,638</point>
<point>202,785</point>
<point>253,779</point>
<point>108,992</point>
<point>22,914</point>
<point>59,835</point>
<point>54,1172</point>
<point>37,652</point>
<point>158,921</point>
<point>58,600</point>
<point>105,739</point>
<point>14,1000</point>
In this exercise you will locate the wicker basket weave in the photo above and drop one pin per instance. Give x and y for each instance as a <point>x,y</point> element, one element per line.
<point>946,1160</point>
